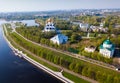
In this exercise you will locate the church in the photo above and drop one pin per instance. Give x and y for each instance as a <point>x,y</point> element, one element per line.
<point>49,26</point>
<point>107,48</point>
<point>59,39</point>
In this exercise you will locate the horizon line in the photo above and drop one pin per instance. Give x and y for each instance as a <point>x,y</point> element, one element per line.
<point>57,10</point>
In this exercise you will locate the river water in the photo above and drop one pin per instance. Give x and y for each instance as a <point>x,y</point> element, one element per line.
<point>28,22</point>
<point>16,70</point>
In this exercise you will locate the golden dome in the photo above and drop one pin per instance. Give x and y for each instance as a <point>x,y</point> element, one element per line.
<point>49,20</point>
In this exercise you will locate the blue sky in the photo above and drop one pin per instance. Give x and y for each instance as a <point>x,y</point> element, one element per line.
<point>44,5</point>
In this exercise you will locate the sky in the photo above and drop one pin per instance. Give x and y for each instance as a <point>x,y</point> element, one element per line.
<point>45,5</point>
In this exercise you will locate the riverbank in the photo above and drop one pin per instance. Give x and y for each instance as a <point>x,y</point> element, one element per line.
<point>42,52</point>
<point>75,77</point>
<point>58,75</point>
<point>16,70</point>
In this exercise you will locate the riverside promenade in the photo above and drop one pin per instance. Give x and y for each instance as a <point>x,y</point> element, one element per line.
<point>54,65</point>
<point>58,75</point>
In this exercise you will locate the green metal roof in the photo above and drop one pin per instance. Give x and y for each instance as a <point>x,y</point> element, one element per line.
<point>112,48</point>
<point>107,42</point>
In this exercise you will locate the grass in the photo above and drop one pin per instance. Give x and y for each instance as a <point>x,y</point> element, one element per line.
<point>74,78</point>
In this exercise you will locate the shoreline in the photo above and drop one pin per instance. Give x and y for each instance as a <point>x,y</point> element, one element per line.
<point>57,75</point>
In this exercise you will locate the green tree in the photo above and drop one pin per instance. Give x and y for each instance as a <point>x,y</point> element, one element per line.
<point>84,71</point>
<point>72,66</point>
<point>75,37</point>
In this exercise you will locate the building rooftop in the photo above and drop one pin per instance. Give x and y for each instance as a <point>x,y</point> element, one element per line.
<point>59,38</point>
<point>110,45</point>
<point>107,42</point>
<point>113,47</point>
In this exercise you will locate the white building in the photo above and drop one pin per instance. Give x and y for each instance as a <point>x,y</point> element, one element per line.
<point>84,26</point>
<point>107,49</point>
<point>13,26</point>
<point>59,39</point>
<point>101,24</point>
<point>49,26</point>
<point>98,29</point>
<point>90,49</point>
<point>75,22</point>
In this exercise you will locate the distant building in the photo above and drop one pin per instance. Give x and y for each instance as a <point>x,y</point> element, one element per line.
<point>94,28</point>
<point>98,29</point>
<point>59,39</point>
<point>76,22</point>
<point>107,49</point>
<point>101,29</point>
<point>90,49</point>
<point>49,26</point>
<point>13,26</point>
<point>117,26</point>
<point>84,26</point>
<point>101,24</point>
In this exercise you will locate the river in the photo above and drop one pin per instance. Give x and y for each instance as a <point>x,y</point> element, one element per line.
<point>16,70</point>
<point>28,22</point>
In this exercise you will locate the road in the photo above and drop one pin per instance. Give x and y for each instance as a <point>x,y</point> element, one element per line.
<point>64,69</point>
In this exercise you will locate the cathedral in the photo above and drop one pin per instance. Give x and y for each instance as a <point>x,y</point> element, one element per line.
<point>107,48</point>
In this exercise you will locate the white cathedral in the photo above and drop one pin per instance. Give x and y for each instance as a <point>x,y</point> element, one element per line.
<point>49,26</point>
<point>107,49</point>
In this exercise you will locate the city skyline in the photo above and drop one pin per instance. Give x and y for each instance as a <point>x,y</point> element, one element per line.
<point>47,5</point>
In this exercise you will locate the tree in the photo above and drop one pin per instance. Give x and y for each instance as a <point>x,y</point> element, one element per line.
<point>91,73</point>
<point>74,37</point>
<point>72,66</point>
<point>84,71</point>
<point>115,31</point>
<point>75,28</point>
